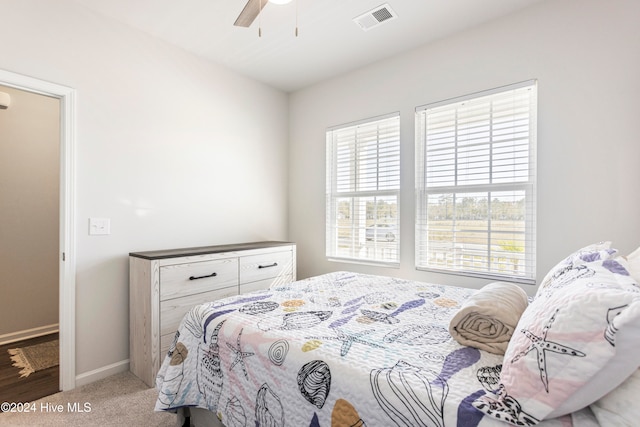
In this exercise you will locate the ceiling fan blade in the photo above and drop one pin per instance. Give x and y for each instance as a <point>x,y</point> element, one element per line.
<point>250,12</point>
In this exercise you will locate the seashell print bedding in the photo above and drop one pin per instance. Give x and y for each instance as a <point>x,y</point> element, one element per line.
<point>341,349</point>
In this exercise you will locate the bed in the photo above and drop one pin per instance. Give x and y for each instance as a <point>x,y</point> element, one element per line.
<point>349,349</point>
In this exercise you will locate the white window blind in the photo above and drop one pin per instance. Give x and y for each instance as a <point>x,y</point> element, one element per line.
<point>475,184</point>
<point>363,191</point>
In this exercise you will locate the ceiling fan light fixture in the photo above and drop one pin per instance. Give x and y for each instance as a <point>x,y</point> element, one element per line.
<point>253,9</point>
<point>5,100</point>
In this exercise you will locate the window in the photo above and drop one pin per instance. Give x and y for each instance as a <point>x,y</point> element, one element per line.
<point>475,184</point>
<point>363,191</point>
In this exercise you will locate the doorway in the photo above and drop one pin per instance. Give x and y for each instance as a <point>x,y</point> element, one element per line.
<point>29,233</point>
<point>65,253</point>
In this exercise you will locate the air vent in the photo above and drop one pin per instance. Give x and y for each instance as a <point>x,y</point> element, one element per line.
<point>375,17</point>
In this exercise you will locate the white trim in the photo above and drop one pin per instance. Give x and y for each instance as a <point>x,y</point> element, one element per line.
<point>67,97</point>
<point>480,275</point>
<point>364,262</point>
<point>28,334</point>
<point>482,93</point>
<point>100,373</point>
<point>364,121</point>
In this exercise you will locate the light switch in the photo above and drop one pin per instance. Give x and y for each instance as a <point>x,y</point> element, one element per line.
<point>99,226</point>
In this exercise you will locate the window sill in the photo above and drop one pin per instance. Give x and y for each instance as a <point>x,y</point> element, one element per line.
<point>479,275</point>
<point>365,262</point>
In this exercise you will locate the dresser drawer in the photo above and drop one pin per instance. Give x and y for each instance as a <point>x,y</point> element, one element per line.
<point>172,311</point>
<point>260,285</point>
<point>193,278</point>
<point>265,266</point>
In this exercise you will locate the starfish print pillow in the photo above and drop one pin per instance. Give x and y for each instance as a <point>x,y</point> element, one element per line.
<point>570,347</point>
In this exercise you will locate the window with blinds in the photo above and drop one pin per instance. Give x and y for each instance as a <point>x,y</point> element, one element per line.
<point>363,191</point>
<point>475,184</point>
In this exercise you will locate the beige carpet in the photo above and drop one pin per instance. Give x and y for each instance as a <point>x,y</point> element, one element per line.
<point>120,400</point>
<point>35,357</point>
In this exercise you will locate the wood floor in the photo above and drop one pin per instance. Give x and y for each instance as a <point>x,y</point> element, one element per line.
<point>38,384</point>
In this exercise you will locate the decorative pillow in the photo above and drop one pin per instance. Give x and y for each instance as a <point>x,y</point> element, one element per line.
<point>565,271</point>
<point>571,346</point>
<point>620,407</point>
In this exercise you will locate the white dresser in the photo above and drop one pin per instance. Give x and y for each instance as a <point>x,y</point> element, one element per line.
<point>165,285</point>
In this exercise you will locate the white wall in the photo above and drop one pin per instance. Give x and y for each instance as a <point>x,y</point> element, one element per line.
<point>176,151</point>
<point>29,212</point>
<point>586,57</point>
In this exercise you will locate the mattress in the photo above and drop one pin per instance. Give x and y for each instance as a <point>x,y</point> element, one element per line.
<point>340,349</point>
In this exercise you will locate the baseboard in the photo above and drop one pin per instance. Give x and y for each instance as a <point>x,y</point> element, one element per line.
<point>28,334</point>
<point>100,373</point>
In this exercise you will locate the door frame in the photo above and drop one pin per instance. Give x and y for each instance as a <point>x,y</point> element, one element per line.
<point>67,239</point>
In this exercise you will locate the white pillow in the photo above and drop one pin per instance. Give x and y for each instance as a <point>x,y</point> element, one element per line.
<point>620,407</point>
<point>565,271</point>
<point>633,259</point>
<point>571,346</point>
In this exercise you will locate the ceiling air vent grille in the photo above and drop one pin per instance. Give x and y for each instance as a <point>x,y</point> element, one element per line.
<point>375,17</point>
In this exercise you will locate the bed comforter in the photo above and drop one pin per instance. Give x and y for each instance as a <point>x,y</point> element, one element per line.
<point>341,349</point>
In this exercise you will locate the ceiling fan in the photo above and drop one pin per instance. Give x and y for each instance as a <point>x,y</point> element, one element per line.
<point>252,9</point>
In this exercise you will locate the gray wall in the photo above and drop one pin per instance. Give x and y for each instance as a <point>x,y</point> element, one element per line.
<point>586,57</point>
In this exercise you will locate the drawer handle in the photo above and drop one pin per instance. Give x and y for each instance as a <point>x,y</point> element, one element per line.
<point>203,277</point>
<point>275,264</point>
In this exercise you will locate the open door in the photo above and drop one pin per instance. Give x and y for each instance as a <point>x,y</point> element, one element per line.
<point>66,249</point>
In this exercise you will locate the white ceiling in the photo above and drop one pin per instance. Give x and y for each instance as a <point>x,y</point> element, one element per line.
<point>329,42</point>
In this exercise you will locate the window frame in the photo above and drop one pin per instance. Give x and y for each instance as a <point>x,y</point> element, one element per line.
<point>333,194</point>
<point>519,184</point>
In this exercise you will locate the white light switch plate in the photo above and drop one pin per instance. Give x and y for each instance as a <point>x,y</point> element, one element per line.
<point>99,226</point>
